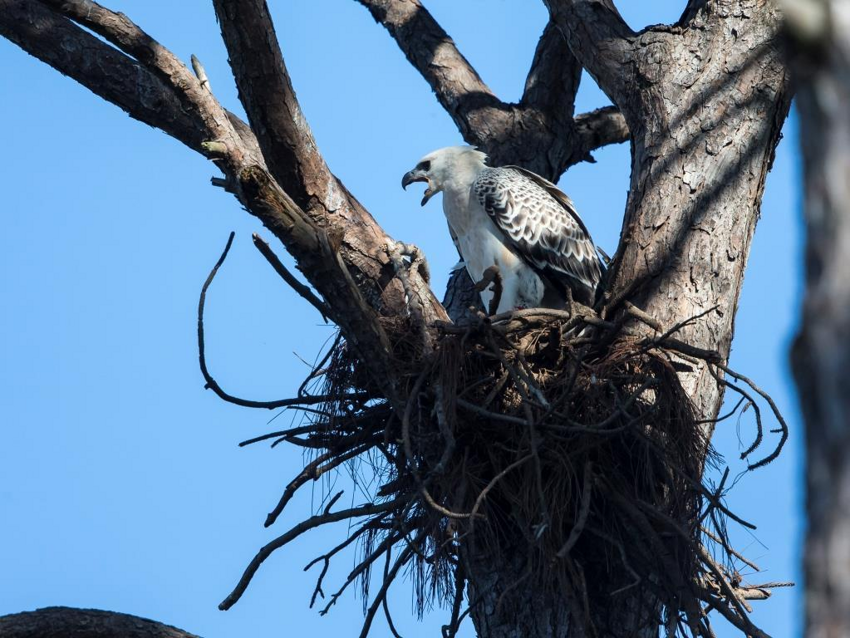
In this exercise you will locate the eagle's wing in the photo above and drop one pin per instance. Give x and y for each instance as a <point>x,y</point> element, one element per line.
<point>540,221</point>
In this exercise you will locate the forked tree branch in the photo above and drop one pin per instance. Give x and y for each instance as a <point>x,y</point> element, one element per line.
<point>551,88</point>
<point>539,132</point>
<point>360,511</point>
<point>553,79</point>
<point>601,40</point>
<point>266,93</point>
<point>337,244</point>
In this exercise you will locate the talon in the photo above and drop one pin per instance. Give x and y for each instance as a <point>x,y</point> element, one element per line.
<point>487,278</point>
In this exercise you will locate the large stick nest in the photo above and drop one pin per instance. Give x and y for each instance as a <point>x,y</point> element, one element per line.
<point>558,441</point>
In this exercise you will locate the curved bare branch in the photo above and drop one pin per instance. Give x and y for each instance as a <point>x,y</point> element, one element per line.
<point>127,36</point>
<point>360,511</point>
<point>274,113</point>
<point>99,67</point>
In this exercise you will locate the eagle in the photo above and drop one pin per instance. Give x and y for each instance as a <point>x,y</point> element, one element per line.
<point>515,220</point>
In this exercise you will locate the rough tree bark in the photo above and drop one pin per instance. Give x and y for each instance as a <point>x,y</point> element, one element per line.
<point>704,100</point>
<point>821,352</point>
<point>65,622</point>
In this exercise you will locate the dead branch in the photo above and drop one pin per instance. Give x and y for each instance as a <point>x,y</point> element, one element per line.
<point>450,630</point>
<point>363,565</point>
<point>639,314</point>
<point>267,252</point>
<point>107,72</point>
<point>275,115</point>
<point>303,429</point>
<point>732,552</point>
<point>385,585</point>
<point>783,426</point>
<point>314,471</point>
<point>370,525</point>
<point>553,79</point>
<point>367,509</point>
<point>350,239</point>
<point>210,382</point>
<point>384,603</point>
<point>750,402</point>
<point>457,85</point>
<point>128,37</point>
<point>587,22</point>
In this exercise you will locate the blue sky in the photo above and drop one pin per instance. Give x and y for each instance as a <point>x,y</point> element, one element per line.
<point>121,486</point>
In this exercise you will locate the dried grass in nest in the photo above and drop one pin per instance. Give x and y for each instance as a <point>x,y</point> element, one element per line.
<point>537,439</point>
<point>552,447</point>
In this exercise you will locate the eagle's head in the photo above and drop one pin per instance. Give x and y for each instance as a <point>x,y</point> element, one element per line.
<point>457,165</point>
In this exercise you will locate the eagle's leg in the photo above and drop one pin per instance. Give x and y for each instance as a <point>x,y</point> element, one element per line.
<point>493,276</point>
<point>571,308</point>
<point>414,254</point>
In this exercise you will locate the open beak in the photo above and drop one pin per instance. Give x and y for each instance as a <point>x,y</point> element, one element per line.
<point>418,176</point>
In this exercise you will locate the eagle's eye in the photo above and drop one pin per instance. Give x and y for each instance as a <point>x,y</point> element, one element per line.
<point>424,166</point>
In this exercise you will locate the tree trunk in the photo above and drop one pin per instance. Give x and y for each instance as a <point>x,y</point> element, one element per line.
<point>704,131</point>
<point>705,100</point>
<point>511,603</point>
<point>821,352</point>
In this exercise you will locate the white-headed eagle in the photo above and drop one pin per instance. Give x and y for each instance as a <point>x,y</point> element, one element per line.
<point>516,220</point>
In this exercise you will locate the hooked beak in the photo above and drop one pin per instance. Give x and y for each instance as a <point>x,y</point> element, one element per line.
<point>418,176</point>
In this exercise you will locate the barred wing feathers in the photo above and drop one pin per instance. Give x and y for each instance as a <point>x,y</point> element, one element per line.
<point>540,221</point>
